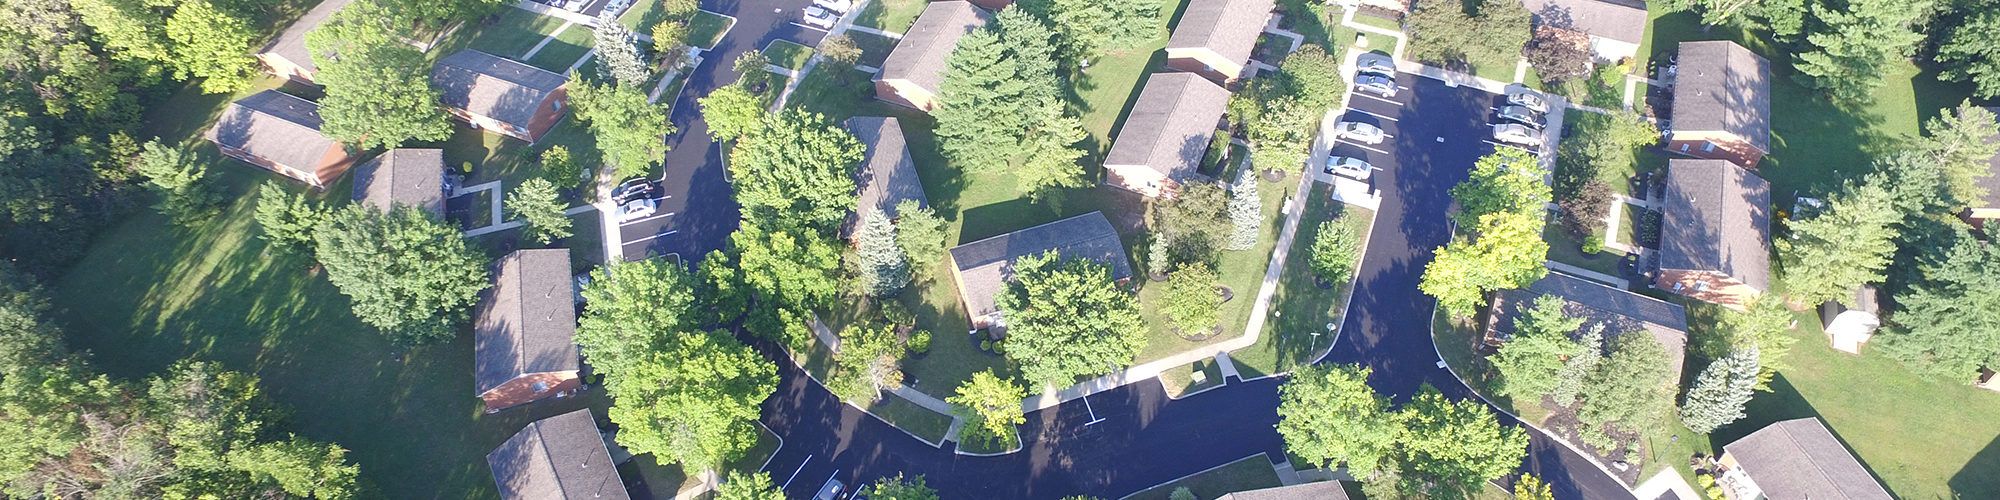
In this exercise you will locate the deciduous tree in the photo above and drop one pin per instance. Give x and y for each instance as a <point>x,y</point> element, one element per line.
<point>731,112</point>
<point>898,488</point>
<point>1455,447</point>
<point>797,166</point>
<point>752,486</point>
<point>1509,180</point>
<point>212,44</point>
<point>632,309</point>
<point>1629,392</point>
<point>536,203</point>
<point>1508,253</point>
<point>1829,255</point>
<point>1068,319</point>
<point>990,406</point>
<point>408,273</point>
<point>870,362</point>
<point>287,218</point>
<point>1330,416</point>
<point>630,131</point>
<point>561,169</point>
<point>1335,248</point>
<point>1191,301</point>
<point>694,404</point>
<point>1531,364</point>
<point>921,235</point>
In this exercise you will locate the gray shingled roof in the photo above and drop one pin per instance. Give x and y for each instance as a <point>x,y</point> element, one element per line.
<point>1620,311</point>
<point>556,458</point>
<point>406,176</point>
<point>1228,27</point>
<point>493,86</point>
<point>920,56</point>
<point>1721,86</point>
<point>1990,182</point>
<point>276,126</point>
<point>1800,459</point>
<point>1717,218</point>
<point>1171,124</point>
<point>985,266</point>
<point>291,44</point>
<point>887,175</point>
<point>1323,490</point>
<point>1620,20</point>
<point>525,323</point>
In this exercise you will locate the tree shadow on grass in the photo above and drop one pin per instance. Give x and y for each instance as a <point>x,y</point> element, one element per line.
<point>1980,474</point>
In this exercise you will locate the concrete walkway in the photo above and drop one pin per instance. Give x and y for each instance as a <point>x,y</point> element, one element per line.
<point>545,41</point>
<point>872,31</point>
<point>1667,480</point>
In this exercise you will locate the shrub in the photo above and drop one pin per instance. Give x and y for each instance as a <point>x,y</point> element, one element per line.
<point>896,313</point>
<point>1181,493</point>
<point>1593,244</point>
<point>985,345</point>
<point>920,341</point>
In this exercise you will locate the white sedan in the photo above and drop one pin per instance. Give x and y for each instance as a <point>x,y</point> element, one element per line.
<point>637,209</point>
<point>819,17</point>
<point>1348,166</point>
<point>1517,134</point>
<point>1359,132</point>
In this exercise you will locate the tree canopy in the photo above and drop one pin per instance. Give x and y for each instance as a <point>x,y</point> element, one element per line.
<point>695,403</point>
<point>1191,300</point>
<point>731,112</point>
<point>1531,364</point>
<point>1721,391</point>
<point>797,166</point>
<point>921,234</point>
<point>1857,42</point>
<point>1509,180</point>
<point>1335,249</point>
<point>1950,325</point>
<point>1827,256</point>
<point>1508,253</point>
<point>630,131</point>
<point>870,361</point>
<point>631,309</point>
<point>990,406</point>
<point>1631,391</point>
<point>1089,28</point>
<point>1067,319</point>
<point>1329,416</point>
<point>378,91</point>
<point>537,204</point>
<point>1450,449</point>
<point>408,273</point>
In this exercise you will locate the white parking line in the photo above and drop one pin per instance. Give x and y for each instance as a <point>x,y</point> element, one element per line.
<point>1372,96</point>
<point>795,474</point>
<point>636,221</point>
<point>810,27</point>
<point>1358,145</point>
<point>1506,145</point>
<point>1365,112</point>
<point>650,238</point>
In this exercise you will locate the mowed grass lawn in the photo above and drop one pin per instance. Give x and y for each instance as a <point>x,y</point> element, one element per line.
<point>511,35</point>
<point>788,55</point>
<point>565,50</point>
<point>1242,271</point>
<point>1300,307</point>
<point>891,15</point>
<point>1250,473</point>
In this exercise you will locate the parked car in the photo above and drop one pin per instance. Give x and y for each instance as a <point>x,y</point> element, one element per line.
<point>632,189</point>
<point>1528,99</point>
<point>1359,132</point>
<point>1375,64</point>
<point>1348,166</point>
<point>1521,115</point>
<point>575,5</point>
<point>1376,84</point>
<point>637,209</point>
<point>837,6</point>
<point>1517,134</point>
<point>830,491</point>
<point>817,16</point>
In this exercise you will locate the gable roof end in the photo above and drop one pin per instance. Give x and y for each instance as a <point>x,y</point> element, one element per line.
<point>1800,459</point>
<point>526,322</point>
<point>1624,21</point>
<point>1720,86</point>
<point>1171,124</point>
<point>275,126</point>
<point>557,458</point>
<point>1227,27</point>
<point>887,174</point>
<point>920,56</point>
<point>492,86</point>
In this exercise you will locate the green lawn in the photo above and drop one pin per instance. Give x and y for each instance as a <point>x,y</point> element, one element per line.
<point>511,36</point>
<point>663,481</point>
<point>890,15</point>
<point>707,28</point>
<point>1389,24</point>
<point>1345,36</point>
<point>1251,473</point>
<point>1242,271</point>
<point>1313,21</point>
<point>874,48</point>
<point>565,50</point>
<point>1628,224</point>
<point>1180,381</point>
<point>1300,307</point>
<point>643,15</point>
<point>788,55</point>
<point>905,415</point>
<point>1586,123</point>
<point>1568,249</point>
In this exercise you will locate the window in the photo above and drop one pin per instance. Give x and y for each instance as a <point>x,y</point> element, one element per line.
<point>541,386</point>
<point>1707,146</point>
<point>556,104</point>
<point>1684,147</point>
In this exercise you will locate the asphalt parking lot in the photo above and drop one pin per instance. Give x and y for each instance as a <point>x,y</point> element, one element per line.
<point>1427,123</point>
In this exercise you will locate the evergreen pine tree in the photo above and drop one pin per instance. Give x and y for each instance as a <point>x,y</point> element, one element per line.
<point>1828,256</point>
<point>618,52</point>
<point>1246,212</point>
<point>1156,254</point>
<point>979,123</point>
<point>1721,391</point>
<point>884,266</point>
<point>1857,45</point>
<point>287,218</point>
<point>1589,353</point>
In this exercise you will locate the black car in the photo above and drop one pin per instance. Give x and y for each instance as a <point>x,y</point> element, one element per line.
<point>632,189</point>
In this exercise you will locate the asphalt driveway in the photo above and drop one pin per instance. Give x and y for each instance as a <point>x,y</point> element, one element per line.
<point>699,210</point>
<point>1144,438</point>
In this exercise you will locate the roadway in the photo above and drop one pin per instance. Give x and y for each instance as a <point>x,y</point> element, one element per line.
<point>1144,438</point>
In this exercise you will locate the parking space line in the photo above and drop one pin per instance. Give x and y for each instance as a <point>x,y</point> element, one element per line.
<point>1358,145</point>
<point>1372,96</point>
<point>650,238</point>
<point>1365,112</point>
<point>636,221</point>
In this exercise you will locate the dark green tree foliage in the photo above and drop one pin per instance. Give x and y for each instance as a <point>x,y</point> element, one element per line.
<point>1783,18</point>
<point>1581,363</point>
<point>287,218</point>
<point>1329,416</point>
<point>750,65</point>
<point>1855,43</point>
<point>538,205</point>
<point>1451,449</point>
<point>921,235</point>
<point>630,131</point>
<point>1193,223</point>
<point>722,295</point>
<point>633,309</point>
<point>796,166</point>
<point>1629,393</point>
<point>1443,32</point>
<point>408,273</point>
<point>1531,364</point>
<point>1826,257</point>
<point>1335,249</point>
<point>1313,76</point>
<point>695,402</point>
<point>885,269</point>
<point>378,92</point>
<point>1961,141</point>
<point>1971,52</point>
<point>1950,325</point>
<point>1002,102</point>
<point>1721,391</point>
<point>1087,29</point>
<point>213,44</point>
<point>181,179</point>
<point>1601,143</point>
<point>898,488</point>
<point>1558,58</point>
<point>870,361</point>
<point>753,486</point>
<point>1191,300</point>
<point>1068,319</point>
<point>561,169</point>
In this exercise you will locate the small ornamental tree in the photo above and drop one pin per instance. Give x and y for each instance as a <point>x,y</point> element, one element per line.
<point>287,218</point>
<point>1334,250</point>
<point>618,58</point>
<point>1531,363</point>
<point>885,269</point>
<point>560,169</point>
<point>1628,393</point>
<point>1246,212</point>
<point>1182,493</point>
<point>1191,301</point>
<point>536,203</point>
<point>990,406</point>
<point>899,488</point>
<point>1558,56</point>
<point>630,131</point>
<point>870,362</point>
<point>1067,319</point>
<point>752,486</point>
<point>1721,391</point>
<point>670,42</point>
<point>1330,416</point>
